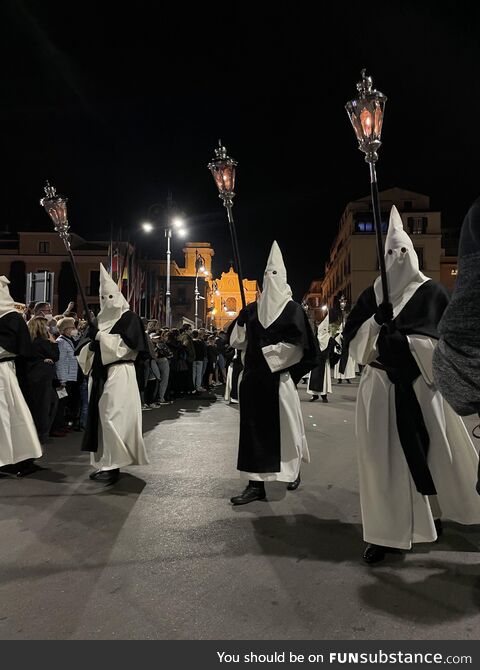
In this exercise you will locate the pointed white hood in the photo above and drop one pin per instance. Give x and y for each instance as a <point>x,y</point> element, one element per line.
<point>6,301</point>
<point>276,293</point>
<point>112,302</point>
<point>323,334</point>
<point>401,262</point>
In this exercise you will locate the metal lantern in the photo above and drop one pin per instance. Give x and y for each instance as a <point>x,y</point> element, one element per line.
<point>366,116</point>
<point>56,207</point>
<point>222,168</point>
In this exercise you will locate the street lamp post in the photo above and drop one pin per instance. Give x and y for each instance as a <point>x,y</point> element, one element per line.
<point>343,304</point>
<point>222,168</point>
<point>177,224</point>
<point>56,207</point>
<point>366,116</point>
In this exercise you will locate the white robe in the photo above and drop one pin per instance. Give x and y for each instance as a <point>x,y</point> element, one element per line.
<point>18,435</point>
<point>293,442</point>
<point>120,439</point>
<point>349,372</point>
<point>394,514</point>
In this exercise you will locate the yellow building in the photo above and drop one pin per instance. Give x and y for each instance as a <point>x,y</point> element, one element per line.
<point>225,300</point>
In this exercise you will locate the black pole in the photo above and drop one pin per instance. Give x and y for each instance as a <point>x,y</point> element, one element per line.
<point>80,287</point>
<point>233,234</point>
<point>378,230</point>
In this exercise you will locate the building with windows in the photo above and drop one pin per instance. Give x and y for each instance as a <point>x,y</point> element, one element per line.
<point>353,264</point>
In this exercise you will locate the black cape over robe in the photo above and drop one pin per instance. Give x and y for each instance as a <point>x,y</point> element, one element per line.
<point>131,330</point>
<point>259,447</point>
<point>420,316</point>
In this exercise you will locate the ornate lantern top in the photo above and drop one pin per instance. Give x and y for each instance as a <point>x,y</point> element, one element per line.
<point>366,116</point>
<point>56,207</point>
<point>222,168</point>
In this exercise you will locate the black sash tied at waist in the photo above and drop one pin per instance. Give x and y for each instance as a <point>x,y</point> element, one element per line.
<point>411,428</point>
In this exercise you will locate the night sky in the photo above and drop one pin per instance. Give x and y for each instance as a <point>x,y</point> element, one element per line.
<point>118,104</point>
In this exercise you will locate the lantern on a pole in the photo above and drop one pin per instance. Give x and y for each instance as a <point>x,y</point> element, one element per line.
<point>222,168</point>
<point>56,207</point>
<point>343,303</point>
<point>366,115</point>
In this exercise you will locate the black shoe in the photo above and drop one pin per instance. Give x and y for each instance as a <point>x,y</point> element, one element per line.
<point>293,486</point>
<point>374,553</point>
<point>313,398</point>
<point>324,398</point>
<point>340,381</point>
<point>439,528</point>
<point>12,469</point>
<point>250,494</point>
<point>27,467</point>
<point>106,476</point>
<point>348,381</point>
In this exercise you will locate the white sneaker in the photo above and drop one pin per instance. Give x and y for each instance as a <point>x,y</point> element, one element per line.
<point>146,407</point>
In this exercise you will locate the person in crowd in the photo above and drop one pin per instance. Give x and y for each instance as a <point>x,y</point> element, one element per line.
<point>220,371</point>
<point>67,374</point>
<point>279,348</point>
<point>200,353</point>
<point>41,396</point>
<point>152,372</point>
<point>320,381</point>
<point>417,463</point>
<point>114,427</point>
<point>163,355</point>
<point>212,355</point>
<point>29,311</point>
<point>19,443</point>
<point>203,335</point>
<point>456,362</point>
<point>187,341</point>
<point>181,381</point>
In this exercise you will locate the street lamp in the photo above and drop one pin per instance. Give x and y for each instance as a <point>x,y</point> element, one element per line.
<point>366,115</point>
<point>56,207</point>
<point>343,303</point>
<point>222,168</point>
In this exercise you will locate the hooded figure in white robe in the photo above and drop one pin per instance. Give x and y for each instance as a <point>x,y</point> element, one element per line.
<point>114,427</point>
<point>345,367</point>
<point>417,464</point>
<point>279,348</point>
<point>19,443</point>
<point>320,380</point>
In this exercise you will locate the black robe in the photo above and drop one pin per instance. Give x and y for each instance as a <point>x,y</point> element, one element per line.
<point>131,330</point>
<point>259,447</point>
<point>419,316</point>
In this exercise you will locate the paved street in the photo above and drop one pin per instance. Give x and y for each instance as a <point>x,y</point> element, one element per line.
<point>164,555</point>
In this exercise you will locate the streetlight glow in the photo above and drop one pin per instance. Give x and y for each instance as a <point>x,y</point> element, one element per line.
<point>181,232</point>
<point>147,227</point>
<point>177,222</point>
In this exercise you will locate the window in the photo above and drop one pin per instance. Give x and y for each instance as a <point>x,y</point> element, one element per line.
<point>417,225</point>
<point>44,247</point>
<point>407,205</point>
<point>182,296</point>
<point>94,288</point>
<point>419,252</point>
<point>231,304</point>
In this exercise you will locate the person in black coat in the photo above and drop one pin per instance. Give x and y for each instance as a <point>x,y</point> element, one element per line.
<point>42,397</point>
